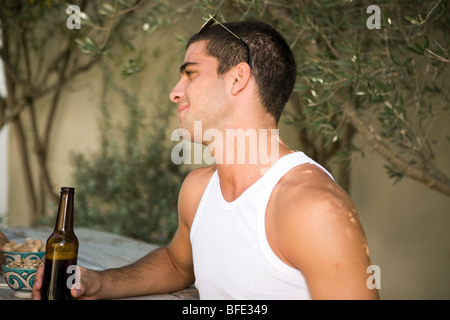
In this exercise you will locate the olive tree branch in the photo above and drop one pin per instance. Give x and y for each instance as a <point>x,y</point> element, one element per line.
<point>435,180</point>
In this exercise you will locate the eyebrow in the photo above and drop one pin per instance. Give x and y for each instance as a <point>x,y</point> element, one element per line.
<point>185,65</point>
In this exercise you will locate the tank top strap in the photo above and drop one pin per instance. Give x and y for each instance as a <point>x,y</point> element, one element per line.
<point>287,163</point>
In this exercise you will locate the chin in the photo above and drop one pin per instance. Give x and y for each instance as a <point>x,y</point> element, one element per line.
<point>187,133</point>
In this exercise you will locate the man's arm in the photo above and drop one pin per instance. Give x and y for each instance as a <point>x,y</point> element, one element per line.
<point>166,269</point>
<point>317,230</point>
<point>160,271</point>
<point>152,274</point>
<point>163,270</point>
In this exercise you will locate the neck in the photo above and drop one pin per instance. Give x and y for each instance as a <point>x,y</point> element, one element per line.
<point>243,156</point>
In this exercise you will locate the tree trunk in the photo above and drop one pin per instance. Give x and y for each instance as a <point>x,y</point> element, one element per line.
<point>25,159</point>
<point>435,180</point>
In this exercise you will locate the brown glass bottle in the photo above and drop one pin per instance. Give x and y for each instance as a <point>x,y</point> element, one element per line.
<point>61,251</point>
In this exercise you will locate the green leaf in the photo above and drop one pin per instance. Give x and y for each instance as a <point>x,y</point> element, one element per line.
<point>412,20</point>
<point>395,59</point>
<point>426,44</point>
<point>416,48</point>
<point>394,174</point>
<point>380,86</point>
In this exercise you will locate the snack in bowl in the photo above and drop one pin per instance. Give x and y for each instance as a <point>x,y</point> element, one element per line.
<point>20,274</point>
<point>30,249</point>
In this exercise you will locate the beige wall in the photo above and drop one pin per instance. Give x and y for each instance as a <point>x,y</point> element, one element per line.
<point>75,130</point>
<point>406,224</point>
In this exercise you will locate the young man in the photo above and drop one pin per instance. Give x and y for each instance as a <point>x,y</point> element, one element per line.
<point>248,229</point>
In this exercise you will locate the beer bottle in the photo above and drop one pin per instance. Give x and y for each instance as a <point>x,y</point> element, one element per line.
<point>61,251</point>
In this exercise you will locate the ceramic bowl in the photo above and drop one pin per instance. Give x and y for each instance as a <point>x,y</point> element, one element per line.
<point>11,256</point>
<point>20,280</point>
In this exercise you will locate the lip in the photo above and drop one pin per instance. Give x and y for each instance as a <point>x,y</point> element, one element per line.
<point>182,107</point>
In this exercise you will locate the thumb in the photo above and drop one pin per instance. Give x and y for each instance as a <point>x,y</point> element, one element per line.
<point>76,291</point>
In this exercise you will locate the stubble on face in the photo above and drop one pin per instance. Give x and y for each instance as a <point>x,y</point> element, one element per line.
<point>205,93</point>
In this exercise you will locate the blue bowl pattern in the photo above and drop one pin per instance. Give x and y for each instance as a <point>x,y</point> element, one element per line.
<point>20,280</point>
<point>11,256</point>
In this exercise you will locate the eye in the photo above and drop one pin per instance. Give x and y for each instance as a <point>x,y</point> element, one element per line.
<point>189,73</point>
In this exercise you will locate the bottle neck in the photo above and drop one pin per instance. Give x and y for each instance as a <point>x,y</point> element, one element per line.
<point>64,220</point>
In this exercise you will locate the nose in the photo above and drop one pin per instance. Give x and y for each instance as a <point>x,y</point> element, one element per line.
<point>177,93</point>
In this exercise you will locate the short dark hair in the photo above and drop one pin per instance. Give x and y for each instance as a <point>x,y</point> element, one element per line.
<point>273,63</point>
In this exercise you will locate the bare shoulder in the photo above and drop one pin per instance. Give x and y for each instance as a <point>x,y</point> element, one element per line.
<point>191,192</point>
<point>310,187</point>
<point>308,199</point>
<point>312,225</point>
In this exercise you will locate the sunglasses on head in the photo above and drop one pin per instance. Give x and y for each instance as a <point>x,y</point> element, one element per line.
<point>213,20</point>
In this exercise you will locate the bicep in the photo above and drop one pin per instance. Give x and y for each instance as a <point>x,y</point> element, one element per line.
<point>180,253</point>
<point>329,247</point>
<point>179,249</point>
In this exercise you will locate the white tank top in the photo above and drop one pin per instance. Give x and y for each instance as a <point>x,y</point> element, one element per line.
<point>232,257</point>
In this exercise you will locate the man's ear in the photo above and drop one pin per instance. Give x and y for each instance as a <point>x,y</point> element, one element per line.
<point>241,77</point>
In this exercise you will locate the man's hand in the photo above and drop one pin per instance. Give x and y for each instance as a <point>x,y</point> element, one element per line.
<point>38,281</point>
<point>90,284</point>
